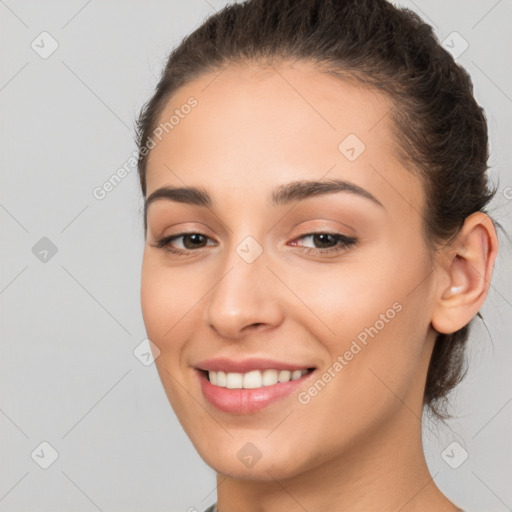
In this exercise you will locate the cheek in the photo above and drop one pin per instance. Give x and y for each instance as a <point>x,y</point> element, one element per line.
<point>344,300</point>
<point>368,289</point>
<point>168,300</point>
<point>372,317</point>
<point>154,301</point>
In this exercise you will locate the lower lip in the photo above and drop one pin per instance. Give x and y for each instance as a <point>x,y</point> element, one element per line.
<point>246,401</point>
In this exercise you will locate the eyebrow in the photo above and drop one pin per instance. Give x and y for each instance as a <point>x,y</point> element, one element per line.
<point>281,195</point>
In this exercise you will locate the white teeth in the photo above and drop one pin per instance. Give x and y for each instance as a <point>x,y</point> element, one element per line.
<point>296,374</point>
<point>234,380</point>
<point>284,376</point>
<point>270,377</point>
<point>253,379</point>
<point>221,379</point>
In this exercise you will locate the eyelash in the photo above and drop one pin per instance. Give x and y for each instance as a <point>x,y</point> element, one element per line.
<point>344,243</point>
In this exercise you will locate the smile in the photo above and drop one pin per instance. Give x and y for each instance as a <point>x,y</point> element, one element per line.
<point>253,379</point>
<point>249,386</point>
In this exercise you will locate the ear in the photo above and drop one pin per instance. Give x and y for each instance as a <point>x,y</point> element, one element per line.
<point>464,270</point>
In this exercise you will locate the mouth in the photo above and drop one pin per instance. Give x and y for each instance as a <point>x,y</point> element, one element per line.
<point>250,389</point>
<point>254,379</point>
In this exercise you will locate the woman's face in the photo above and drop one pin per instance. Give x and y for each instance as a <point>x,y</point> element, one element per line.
<point>328,290</point>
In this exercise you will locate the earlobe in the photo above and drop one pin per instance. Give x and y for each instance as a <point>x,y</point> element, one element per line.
<point>464,269</point>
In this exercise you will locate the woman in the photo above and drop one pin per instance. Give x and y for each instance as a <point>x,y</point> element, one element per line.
<point>317,245</point>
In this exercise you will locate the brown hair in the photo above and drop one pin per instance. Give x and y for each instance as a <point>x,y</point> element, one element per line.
<point>439,127</point>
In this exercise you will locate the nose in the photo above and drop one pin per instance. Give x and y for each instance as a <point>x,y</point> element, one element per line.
<point>245,299</point>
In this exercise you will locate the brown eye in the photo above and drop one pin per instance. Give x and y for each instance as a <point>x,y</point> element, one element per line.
<point>325,243</point>
<point>183,243</point>
<point>324,240</point>
<point>194,240</point>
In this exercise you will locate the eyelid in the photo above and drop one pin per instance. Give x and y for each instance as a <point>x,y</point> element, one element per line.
<point>343,243</point>
<point>321,227</point>
<point>180,228</point>
<point>165,240</point>
<point>324,232</point>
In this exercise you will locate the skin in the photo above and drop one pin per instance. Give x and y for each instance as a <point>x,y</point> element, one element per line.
<point>356,446</point>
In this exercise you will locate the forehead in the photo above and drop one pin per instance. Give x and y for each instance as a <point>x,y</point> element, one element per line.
<point>292,99</point>
<point>266,124</point>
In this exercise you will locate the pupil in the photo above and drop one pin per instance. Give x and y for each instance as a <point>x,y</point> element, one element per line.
<point>324,238</point>
<point>196,240</point>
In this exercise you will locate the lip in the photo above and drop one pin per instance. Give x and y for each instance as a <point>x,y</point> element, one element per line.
<point>225,364</point>
<point>247,401</point>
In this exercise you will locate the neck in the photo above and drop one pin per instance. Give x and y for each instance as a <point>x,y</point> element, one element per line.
<point>386,471</point>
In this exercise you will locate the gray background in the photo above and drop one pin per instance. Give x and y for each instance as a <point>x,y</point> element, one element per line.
<point>71,320</point>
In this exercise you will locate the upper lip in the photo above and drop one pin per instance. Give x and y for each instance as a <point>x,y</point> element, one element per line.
<point>225,364</point>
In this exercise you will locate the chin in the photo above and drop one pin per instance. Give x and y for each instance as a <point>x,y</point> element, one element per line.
<point>266,469</point>
<point>259,460</point>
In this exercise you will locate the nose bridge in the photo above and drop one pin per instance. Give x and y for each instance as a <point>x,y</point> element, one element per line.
<point>243,295</point>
